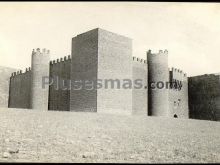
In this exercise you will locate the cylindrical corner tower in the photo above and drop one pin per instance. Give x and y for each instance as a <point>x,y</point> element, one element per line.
<point>158,78</point>
<point>40,69</point>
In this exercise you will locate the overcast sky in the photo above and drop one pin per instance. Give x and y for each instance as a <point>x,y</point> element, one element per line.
<point>190,31</point>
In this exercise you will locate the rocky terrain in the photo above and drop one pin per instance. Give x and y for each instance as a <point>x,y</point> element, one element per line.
<point>53,136</point>
<point>5,74</point>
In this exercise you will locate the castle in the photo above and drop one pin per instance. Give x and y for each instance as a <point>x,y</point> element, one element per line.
<point>102,55</point>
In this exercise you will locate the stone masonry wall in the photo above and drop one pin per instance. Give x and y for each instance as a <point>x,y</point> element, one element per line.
<point>59,93</point>
<point>178,96</point>
<point>20,90</point>
<point>114,63</point>
<point>84,67</point>
<point>204,97</point>
<point>140,96</point>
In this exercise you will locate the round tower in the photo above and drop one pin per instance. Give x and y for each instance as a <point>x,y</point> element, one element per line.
<point>158,78</point>
<point>40,68</point>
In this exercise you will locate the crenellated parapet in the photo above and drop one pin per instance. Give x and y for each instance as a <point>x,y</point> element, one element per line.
<point>178,74</point>
<point>140,60</point>
<point>177,78</point>
<point>39,52</point>
<point>16,73</point>
<point>60,60</point>
<point>160,52</point>
<point>20,72</point>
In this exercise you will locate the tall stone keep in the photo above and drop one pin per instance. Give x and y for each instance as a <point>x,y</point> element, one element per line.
<point>40,68</point>
<point>106,57</point>
<point>158,77</point>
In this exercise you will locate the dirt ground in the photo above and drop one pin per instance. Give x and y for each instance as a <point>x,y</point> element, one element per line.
<point>33,136</point>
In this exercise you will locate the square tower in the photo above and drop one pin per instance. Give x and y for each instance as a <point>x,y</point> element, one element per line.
<point>106,57</point>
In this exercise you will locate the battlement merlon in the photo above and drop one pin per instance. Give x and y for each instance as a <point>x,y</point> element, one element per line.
<point>59,60</point>
<point>137,59</point>
<point>39,52</point>
<point>160,52</point>
<point>28,69</point>
<point>20,72</point>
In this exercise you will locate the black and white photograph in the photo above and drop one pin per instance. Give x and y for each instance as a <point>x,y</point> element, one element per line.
<point>109,82</point>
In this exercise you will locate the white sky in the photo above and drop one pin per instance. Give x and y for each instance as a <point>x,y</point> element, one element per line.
<point>190,31</point>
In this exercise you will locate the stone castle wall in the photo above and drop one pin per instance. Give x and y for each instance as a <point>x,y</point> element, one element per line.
<point>140,96</point>
<point>114,63</point>
<point>101,55</point>
<point>59,93</point>
<point>204,97</point>
<point>84,66</point>
<point>59,99</point>
<point>20,89</point>
<point>178,95</point>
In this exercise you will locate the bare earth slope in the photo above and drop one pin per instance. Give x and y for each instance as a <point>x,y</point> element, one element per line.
<point>5,74</point>
<point>28,135</point>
